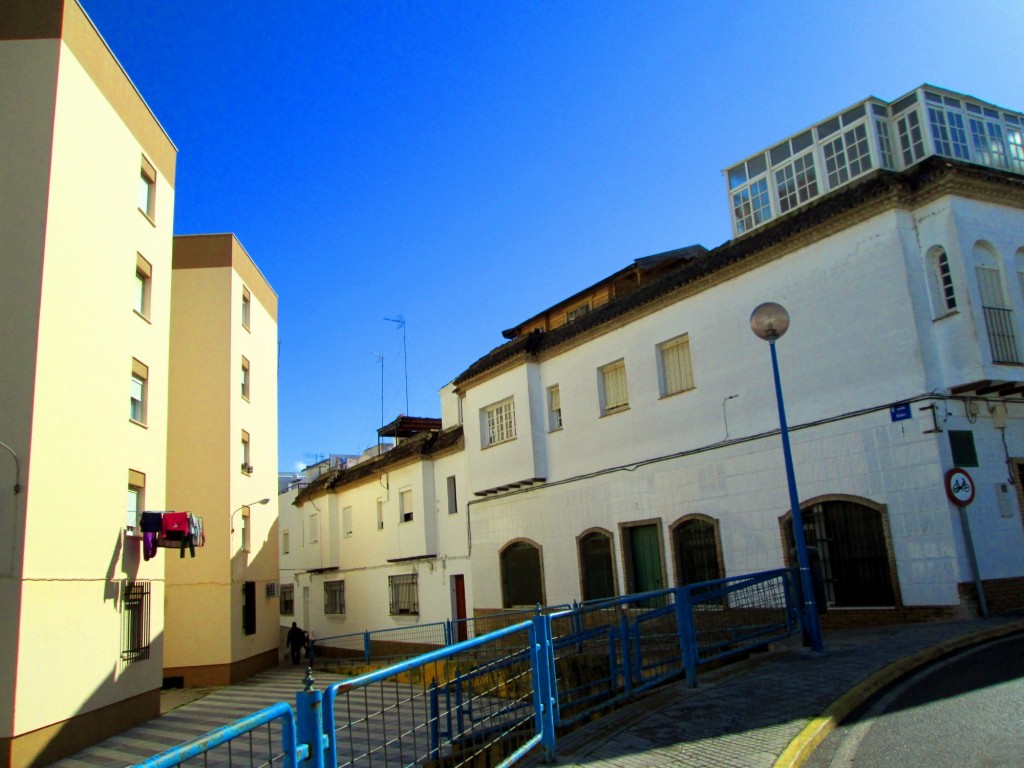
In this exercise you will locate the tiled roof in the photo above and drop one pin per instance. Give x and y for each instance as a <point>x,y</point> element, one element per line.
<point>424,445</point>
<point>879,184</point>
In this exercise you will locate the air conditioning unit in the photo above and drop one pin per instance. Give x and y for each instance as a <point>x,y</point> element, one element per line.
<point>272,590</point>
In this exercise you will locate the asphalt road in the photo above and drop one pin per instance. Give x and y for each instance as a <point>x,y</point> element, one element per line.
<point>966,710</point>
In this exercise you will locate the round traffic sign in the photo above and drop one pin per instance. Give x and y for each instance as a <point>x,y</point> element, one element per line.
<point>959,487</point>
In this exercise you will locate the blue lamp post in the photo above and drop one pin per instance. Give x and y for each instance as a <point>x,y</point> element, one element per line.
<point>770,321</point>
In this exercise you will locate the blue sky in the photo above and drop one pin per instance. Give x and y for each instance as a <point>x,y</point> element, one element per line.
<point>468,164</point>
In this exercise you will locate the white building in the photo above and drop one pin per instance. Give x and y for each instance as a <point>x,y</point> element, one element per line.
<point>380,542</point>
<point>627,438</point>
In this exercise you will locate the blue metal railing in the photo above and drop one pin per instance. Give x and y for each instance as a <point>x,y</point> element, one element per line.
<point>404,642</point>
<point>498,696</point>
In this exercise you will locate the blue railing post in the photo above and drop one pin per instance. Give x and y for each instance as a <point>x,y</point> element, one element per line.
<point>460,723</point>
<point>544,693</point>
<point>310,723</point>
<point>366,646</point>
<point>627,660</point>
<point>687,634</point>
<point>448,634</point>
<point>435,724</point>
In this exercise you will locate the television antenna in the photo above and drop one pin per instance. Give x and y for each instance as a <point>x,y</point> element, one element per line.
<point>400,321</point>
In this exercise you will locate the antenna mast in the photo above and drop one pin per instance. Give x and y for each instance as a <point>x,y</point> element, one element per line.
<point>400,320</point>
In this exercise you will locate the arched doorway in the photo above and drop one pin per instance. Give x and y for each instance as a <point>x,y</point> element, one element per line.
<point>851,540</point>
<point>522,583</point>
<point>597,569</point>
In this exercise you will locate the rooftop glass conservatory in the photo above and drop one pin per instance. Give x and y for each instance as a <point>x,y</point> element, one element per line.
<point>872,134</point>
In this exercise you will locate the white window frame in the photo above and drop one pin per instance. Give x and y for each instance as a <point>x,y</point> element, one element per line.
<point>143,286</point>
<point>404,590</point>
<point>380,514</point>
<point>245,378</point>
<point>670,380</point>
<point>498,422</point>
<point>406,512</point>
<point>246,308</point>
<point>314,528</point>
<point>139,395</point>
<point>346,522</point>
<point>147,190</point>
<point>246,531</point>
<point>613,387</point>
<point>554,408</point>
<point>246,454</point>
<point>285,542</point>
<point>287,600</point>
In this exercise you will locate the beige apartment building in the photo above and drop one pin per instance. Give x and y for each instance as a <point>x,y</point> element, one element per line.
<point>222,607</point>
<point>90,281</point>
<point>86,214</point>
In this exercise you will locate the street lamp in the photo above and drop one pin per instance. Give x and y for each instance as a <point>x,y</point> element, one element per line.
<point>250,504</point>
<point>769,321</point>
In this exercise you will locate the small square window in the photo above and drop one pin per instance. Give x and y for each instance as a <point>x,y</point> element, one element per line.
<point>139,391</point>
<point>613,391</point>
<point>147,189</point>
<point>405,505</point>
<point>245,378</point>
<point>143,285</point>
<point>246,307</point>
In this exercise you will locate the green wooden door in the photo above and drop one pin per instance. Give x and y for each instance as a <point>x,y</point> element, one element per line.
<point>645,551</point>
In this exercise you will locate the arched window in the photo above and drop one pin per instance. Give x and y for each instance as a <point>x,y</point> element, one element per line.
<point>997,310</point>
<point>597,570</point>
<point>521,580</point>
<point>940,280</point>
<point>853,551</point>
<point>697,550</point>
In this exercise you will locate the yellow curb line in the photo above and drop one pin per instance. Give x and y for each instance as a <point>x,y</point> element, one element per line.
<point>801,747</point>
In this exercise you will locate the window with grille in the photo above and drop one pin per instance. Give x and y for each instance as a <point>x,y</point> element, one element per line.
<point>287,599</point>
<point>554,409</point>
<point>500,422</point>
<point>998,316</point>
<point>405,598</point>
<point>135,621</point>
<point>334,597</point>
<point>696,550</point>
<point>674,369</point>
<point>614,394</point>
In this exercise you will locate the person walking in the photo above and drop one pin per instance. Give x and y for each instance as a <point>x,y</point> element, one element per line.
<point>296,641</point>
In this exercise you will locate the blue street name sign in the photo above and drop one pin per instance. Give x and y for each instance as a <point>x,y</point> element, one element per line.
<point>899,412</point>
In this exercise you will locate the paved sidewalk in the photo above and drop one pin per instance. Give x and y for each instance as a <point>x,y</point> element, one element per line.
<point>772,707</point>
<point>779,703</point>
